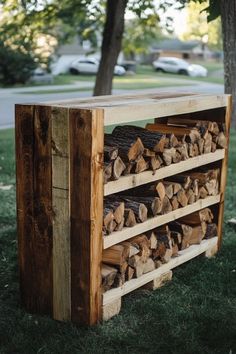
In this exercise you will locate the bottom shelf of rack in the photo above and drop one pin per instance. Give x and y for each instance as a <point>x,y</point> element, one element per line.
<point>184,256</point>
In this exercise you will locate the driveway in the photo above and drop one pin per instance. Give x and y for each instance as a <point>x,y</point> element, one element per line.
<point>9,97</point>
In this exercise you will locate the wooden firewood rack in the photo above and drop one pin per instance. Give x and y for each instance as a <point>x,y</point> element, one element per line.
<point>60,191</point>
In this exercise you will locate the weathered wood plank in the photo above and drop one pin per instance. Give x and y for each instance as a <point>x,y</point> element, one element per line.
<point>34,209</point>
<point>61,214</point>
<point>42,243</point>
<point>161,108</point>
<point>24,135</point>
<point>86,194</point>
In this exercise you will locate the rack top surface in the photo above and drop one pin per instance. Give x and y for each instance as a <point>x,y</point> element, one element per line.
<point>140,106</point>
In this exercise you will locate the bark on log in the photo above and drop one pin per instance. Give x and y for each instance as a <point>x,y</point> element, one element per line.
<point>151,140</point>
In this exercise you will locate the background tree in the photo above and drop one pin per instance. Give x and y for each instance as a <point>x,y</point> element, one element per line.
<point>226,9</point>
<point>139,35</point>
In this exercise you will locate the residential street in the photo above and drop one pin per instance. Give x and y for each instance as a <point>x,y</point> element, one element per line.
<point>9,97</point>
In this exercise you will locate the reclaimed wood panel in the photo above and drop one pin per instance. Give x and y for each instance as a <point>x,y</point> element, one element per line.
<point>86,195</point>
<point>61,214</point>
<point>34,209</point>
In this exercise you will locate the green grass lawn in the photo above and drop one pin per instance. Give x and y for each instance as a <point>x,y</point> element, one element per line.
<point>194,314</point>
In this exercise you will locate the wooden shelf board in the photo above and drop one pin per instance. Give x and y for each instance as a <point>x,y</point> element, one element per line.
<point>134,180</point>
<point>150,108</point>
<point>184,256</point>
<point>152,223</point>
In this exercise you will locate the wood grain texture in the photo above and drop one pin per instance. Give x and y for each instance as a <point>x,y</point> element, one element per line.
<point>61,214</point>
<point>86,193</point>
<point>224,167</point>
<point>34,209</point>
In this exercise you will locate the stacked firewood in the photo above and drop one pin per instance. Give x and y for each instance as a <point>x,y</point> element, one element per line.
<point>144,253</point>
<point>131,149</point>
<point>134,206</point>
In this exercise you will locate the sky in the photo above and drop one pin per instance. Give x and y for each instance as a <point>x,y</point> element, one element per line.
<point>179,19</point>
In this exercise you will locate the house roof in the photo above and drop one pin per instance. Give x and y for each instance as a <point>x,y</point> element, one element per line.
<point>176,44</point>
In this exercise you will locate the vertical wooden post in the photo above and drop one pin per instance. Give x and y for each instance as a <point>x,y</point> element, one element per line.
<point>224,166</point>
<point>86,195</point>
<point>34,208</point>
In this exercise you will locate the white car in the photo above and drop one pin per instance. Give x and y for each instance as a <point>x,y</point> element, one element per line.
<point>178,66</point>
<point>90,66</point>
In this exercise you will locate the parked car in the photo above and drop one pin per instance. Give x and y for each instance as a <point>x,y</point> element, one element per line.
<point>41,76</point>
<point>178,66</point>
<point>90,66</point>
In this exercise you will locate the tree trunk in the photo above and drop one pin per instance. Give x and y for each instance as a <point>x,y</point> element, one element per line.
<point>111,45</point>
<point>228,15</point>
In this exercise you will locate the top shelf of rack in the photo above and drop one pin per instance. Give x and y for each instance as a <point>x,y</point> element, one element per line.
<point>130,108</point>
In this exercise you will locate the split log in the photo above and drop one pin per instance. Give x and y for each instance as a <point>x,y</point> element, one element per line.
<point>108,276</point>
<point>169,190</point>
<point>221,141</point>
<point>115,255</point>
<point>149,266</point>
<point>182,179</point>
<point>107,171</point>
<point>108,221</point>
<point>129,274</point>
<point>203,192</point>
<point>130,148</point>
<point>110,153</point>
<point>196,218</point>
<point>118,168</point>
<point>198,233</point>
<point>168,155</point>
<point>151,140</point>
<point>139,209</point>
<point>153,204</point>
<point>174,202</point>
<point>144,246</point>
<point>182,197</point>
<point>207,143</point>
<point>184,230</point>
<point>166,206</point>
<point>154,162</point>
<point>190,196</point>
<point>211,231</point>
<point>129,218</point>
<point>140,166</point>
<point>118,208</point>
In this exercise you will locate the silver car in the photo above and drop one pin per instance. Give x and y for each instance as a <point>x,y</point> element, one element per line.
<point>178,66</point>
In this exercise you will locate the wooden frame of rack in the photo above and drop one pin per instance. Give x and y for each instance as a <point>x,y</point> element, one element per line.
<point>60,191</point>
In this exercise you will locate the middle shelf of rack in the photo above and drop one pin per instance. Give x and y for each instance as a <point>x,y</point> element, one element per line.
<point>151,223</point>
<point>134,180</point>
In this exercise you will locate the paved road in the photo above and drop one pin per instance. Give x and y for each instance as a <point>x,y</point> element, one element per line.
<point>9,97</point>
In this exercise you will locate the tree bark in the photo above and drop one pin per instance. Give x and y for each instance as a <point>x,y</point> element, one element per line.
<point>111,45</point>
<point>228,15</point>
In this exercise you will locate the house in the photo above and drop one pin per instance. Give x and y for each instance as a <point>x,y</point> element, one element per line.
<point>181,49</point>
